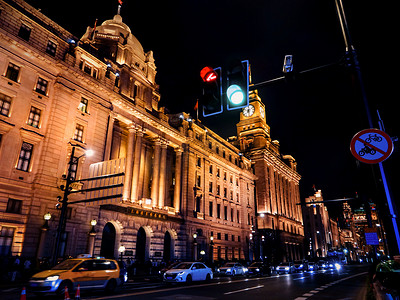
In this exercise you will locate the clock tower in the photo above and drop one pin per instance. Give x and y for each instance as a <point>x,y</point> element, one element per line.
<point>252,129</point>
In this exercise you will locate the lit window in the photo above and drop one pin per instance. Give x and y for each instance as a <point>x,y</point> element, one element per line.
<point>25,155</point>
<point>24,32</point>
<point>12,72</point>
<point>51,48</point>
<point>83,105</point>
<point>34,117</point>
<point>78,136</point>
<point>5,104</point>
<point>41,86</point>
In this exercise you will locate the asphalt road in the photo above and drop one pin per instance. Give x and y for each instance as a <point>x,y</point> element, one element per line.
<point>349,283</point>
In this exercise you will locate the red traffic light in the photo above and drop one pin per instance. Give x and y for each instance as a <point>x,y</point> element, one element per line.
<point>208,74</point>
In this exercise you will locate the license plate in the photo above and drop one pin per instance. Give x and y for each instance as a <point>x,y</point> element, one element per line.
<point>169,277</point>
<point>34,284</point>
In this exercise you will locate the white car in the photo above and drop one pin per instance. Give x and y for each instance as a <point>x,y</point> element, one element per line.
<point>188,272</point>
<point>232,268</point>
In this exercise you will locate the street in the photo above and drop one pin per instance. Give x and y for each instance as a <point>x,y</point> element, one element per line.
<point>349,283</point>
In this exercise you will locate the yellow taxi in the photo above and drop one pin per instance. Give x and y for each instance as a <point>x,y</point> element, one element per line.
<point>89,273</point>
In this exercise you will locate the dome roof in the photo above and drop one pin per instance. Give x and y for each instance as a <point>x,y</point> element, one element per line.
<point>115,29</point>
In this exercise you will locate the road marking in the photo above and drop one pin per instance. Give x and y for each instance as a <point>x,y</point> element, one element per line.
<point>313,292</point>
<point>244,290</point>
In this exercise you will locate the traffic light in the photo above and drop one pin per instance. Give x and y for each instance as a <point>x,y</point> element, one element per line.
<point>211,99</point>
<point>288,67</point>
<point>237,91</point>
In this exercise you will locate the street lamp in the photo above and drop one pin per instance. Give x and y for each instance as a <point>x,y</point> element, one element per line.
<point>121,250</point>
<point>92,235</point>
<point>195,246</point>
<point>60,238</point>
<point>44,229</point>
<point>212,249</point>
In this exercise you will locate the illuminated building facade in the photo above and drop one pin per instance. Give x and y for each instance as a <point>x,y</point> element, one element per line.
<point>187,193</point>
<point>321,232</point>
<point>279,218</point>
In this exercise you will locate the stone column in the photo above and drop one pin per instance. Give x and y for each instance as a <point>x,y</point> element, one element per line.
<point>178,181</point>
<point>129,164</point>
<point>109,137</point>
<point>163,175</point>
<point>136,165</point>
<point>156,172</point>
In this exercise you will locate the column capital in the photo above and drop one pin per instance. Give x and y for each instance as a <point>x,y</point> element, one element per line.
<point>178,150</point>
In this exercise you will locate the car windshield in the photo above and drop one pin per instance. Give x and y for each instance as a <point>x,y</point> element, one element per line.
<point>67,264</point>
<point>183,266</point>
<point>229,264</point>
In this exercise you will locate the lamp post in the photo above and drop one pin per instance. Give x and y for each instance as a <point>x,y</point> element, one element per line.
<point>212,249</point>
<point>121,251</point>
<point>195,246</point>
<point>44,229</point>
<point>61,236</point>
<point>92,236</point>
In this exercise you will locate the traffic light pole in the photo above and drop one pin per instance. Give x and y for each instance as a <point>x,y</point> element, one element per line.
<point>60,237</point>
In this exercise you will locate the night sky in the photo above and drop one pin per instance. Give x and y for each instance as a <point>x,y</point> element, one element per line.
<point>314,117</point>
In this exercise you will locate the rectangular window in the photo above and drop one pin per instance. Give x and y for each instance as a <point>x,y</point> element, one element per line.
<point>210,209</point>
<point>211,169</point>
<point>225,212</point>
<point>226,236</point>
<point>6,240</point>
<point>24,32</point>
<point>218,190</point>
<point>14,206</point>
<point>34,117</point>
<point>51,48</point>
<point>210,187</point>
<point>78,136</point>
<point>198,181</point>
<point>83,105</point>
<point>41,86</point>
<point>12,72</point>
<point>218,211</point>
<point>5,104</point>
<point>25,155</point>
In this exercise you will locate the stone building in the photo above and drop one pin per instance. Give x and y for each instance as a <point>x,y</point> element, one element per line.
<point>279,218</point>
<point>321,232</point>
<point>186,192</point>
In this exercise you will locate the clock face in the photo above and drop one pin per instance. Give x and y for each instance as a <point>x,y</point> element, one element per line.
<point>262,112</point>
<point>248,111</point>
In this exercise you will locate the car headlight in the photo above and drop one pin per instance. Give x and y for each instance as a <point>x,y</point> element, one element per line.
<point>52,278</point>
<point>228,270</point>
<point>257,270</point>
<point>338,266</point>
<point>245,269</point>
<point>287,268</point>
<point>218,270</point>
<point>181,273</point>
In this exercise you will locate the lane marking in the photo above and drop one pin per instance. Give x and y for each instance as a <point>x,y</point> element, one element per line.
<point>244,290</point>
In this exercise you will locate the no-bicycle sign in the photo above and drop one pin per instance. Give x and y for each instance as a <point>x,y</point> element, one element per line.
<point>371,146</point>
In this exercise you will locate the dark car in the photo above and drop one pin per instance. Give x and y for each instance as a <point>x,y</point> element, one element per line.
<point>300,266</point>
<point>388,276</point>
<point>258,269</point>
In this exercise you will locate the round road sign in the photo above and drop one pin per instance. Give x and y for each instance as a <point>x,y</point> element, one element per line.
<point>371,146</point>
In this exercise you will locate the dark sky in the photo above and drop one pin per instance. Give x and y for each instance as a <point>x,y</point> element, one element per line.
<point>315,117</point>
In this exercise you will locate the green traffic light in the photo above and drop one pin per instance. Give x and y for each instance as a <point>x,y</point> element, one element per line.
<point>235,94</point>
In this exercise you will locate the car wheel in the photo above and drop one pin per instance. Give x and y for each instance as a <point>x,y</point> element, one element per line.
<point>189,279</point>
<point>61,289</point>
<point>111,286</point>
<point>208,278</point>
